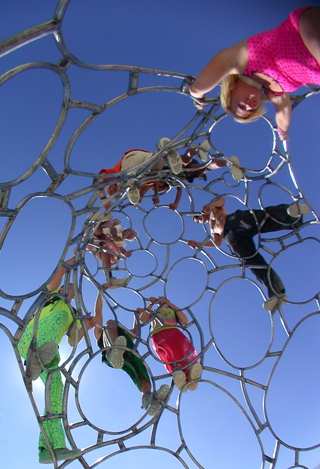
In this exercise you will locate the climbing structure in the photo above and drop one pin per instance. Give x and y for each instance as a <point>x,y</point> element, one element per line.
<point>246,352</point>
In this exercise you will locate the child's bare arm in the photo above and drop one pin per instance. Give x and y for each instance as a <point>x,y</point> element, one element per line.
<point>218,202</point>
<point>182,317</point>
<point>232,60</point>
<point>175,204</point>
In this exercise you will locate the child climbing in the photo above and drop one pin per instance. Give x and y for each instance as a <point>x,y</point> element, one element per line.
<point>131,159</point>
<point>108,245</point>
<point>266,67</point>
<point>238,230</point>
<point>170,344</point>
<point>42,357</point>
<point>114,335</point>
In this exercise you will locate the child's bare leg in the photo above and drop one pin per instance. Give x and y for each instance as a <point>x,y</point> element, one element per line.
<point>98,231</point>
<point>114,232</point>
<point>188,155</point>
<point>124,252</point>
<point>145,386</point>
<point>216,163</point>
<point>158,166</point>
<point>105,259</point>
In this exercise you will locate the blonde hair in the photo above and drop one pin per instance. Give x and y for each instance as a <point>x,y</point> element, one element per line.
<point>227,85</point>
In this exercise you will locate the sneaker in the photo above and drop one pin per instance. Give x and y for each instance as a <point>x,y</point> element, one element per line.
<point>115,355</point>
<point>173,158</point>
<point>45,456</point>
<point>147,398</point>
<point>134,195</point>
<point>274,302</point>
<point>161,394</point>
<point>194,374</point>
<point>163,142</point>
<point>46,352</point>
<point>107,217</point>
<point>296,209</point>
<point>203,149</point>
<point>193,386</point>
<point>236,171</point>
<point>118,282</point>
<point>103,216</point>
<point>174,162</point>
<point>66,454</point>
<point>180,379</point>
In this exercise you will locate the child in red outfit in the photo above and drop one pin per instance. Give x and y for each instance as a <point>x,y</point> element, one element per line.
<point>171,345</point>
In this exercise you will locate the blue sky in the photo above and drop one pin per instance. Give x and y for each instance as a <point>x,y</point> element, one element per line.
<point>182,37</point>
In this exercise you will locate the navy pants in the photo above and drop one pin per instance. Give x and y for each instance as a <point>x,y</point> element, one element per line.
<point>240,228</point>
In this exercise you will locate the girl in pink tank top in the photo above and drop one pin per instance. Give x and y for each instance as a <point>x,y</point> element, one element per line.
<point>281,54</point>
<point>267,66</point>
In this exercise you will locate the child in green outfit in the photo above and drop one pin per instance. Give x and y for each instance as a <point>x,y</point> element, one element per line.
<point>55,320</point>
<point>115,336</point>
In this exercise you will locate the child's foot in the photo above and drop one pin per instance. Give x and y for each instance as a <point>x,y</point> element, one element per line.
<point>66,454</point>
<point>194,374</point>
<point>174,162</point>
<point>203,149</point>
<point>180,379</point>
<point>147,398</point>
<point>45,456</point>
<point>162,143</point>
<point>118,282</point>
<point>236,171</point>
<point>161,395</point>
<point>173,158</point>
<point>115,355</point>
<point>46,352</point>
<point>134,195</point>
<point>103,216</point>
<point>274,302</point>
<point>296,209</point>
<point>193,386</point>
<point>60,453</point>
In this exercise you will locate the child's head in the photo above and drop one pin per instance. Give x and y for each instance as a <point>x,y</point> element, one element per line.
<point>241,100</point>
<point>70,291</point>
<point>200,218</point>
<point>163,187</point>
<point>112,189</point>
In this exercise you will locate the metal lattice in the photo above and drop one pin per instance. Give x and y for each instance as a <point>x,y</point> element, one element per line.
<point>167,258</point>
